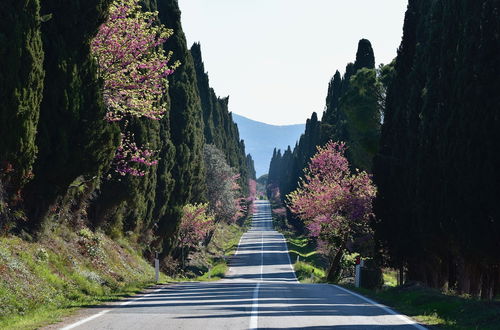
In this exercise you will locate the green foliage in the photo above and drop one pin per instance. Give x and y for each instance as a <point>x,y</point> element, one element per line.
<point>309,265</point>
<point>43,281</point>
<point>219,127</point>
<point>72,138</point>
<point>21,86</point>
<point>360,105</point>
<point>353,110</point>
<point>222,188</point>
<point>185,125</point>
<point>250,167</point>
<point>433,308</point>
<point>437,208</point>
<point>352,114</point>
<point>307,273</point>
<point>215,272</point>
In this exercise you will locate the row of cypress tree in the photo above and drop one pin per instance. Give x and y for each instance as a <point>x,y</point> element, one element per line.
<point>56,149</point>
<point>352,114</point>
<point>438,208</point>
<point>435,158</point>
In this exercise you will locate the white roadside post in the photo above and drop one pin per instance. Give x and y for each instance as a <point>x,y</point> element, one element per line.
<point>359,264</point>
<point>157,268</point>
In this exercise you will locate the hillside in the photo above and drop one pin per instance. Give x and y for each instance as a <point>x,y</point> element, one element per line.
<point>260,139</point>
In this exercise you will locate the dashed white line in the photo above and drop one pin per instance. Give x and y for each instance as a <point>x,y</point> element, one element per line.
<point>254,315</point>
<point>261,255</point>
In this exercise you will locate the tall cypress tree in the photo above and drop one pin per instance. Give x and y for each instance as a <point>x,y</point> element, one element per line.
<point>133,204</point>
<point>220,129</point>
<point>186,125</point>
<point>73,139</point>
<point>21,87</point>
<point>435,165</point>
<point>251,167</point>
<point>352,114</point>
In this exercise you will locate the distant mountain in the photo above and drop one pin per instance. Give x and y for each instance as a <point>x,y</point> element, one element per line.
<point>261,139</point>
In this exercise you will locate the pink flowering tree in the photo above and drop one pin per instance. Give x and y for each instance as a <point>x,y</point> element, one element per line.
<point>333,202</point>
<point>134,68</point>
<point>252,196</point>
<point>252,190</point>
<point>128,154</point>
<point>196,224</point>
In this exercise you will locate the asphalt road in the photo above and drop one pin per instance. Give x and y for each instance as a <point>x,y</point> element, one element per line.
<point>259,292</point>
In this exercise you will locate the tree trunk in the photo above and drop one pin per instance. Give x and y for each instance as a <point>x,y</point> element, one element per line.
<point>182,258</point>
<point>401,275</point>
<point>334,270</point>
<point>487,283</point>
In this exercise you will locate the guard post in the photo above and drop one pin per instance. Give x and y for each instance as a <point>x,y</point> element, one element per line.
<point>157,268</point>
<point>359,264</point>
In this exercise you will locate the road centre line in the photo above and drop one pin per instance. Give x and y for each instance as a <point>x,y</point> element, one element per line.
<point>254,315</point>
<point>261,255</point>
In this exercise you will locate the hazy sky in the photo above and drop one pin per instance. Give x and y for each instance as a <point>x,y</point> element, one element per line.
<point>274,58</point>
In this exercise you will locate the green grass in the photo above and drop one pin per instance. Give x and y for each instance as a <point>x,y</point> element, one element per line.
<point>390,277</point>
<point>308,264</point>
<point>429,307</point>
<point>434,308</point>
<point>41,282</point>
<point>214,273</point>
<point>211,263</point>
<point>307,273</point>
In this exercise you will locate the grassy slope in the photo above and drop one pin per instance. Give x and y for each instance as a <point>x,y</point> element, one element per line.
<point>213,262</point>
<point>44,281</point>
<point>310,266</point>
<point>439,310</point>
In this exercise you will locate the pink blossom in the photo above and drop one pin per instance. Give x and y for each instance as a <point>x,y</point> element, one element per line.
<point>332,201</point>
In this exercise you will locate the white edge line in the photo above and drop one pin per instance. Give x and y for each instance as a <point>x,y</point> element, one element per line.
<point>289,260</point>
<point>385,308</point>
<point>237,250</point>
<point>90,318</point>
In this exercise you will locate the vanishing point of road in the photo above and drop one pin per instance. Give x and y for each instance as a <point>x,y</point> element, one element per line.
<point>260,291</point>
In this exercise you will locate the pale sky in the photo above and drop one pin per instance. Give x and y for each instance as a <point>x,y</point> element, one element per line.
<point>274,58</point>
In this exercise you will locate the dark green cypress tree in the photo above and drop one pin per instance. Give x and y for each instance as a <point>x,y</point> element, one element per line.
<point>360,105</point>
<point>186,125</point>
<point>129,204</point>
<point>435,167</point>
<point>364,56</point>
<point>220,128</point>
<point>74,141</point>
<point>206,97</point>
<point>352,113</point>
<point>286,172</point>
<point>21,86</point>
<point>330,119</point>
<point>251,167</point>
